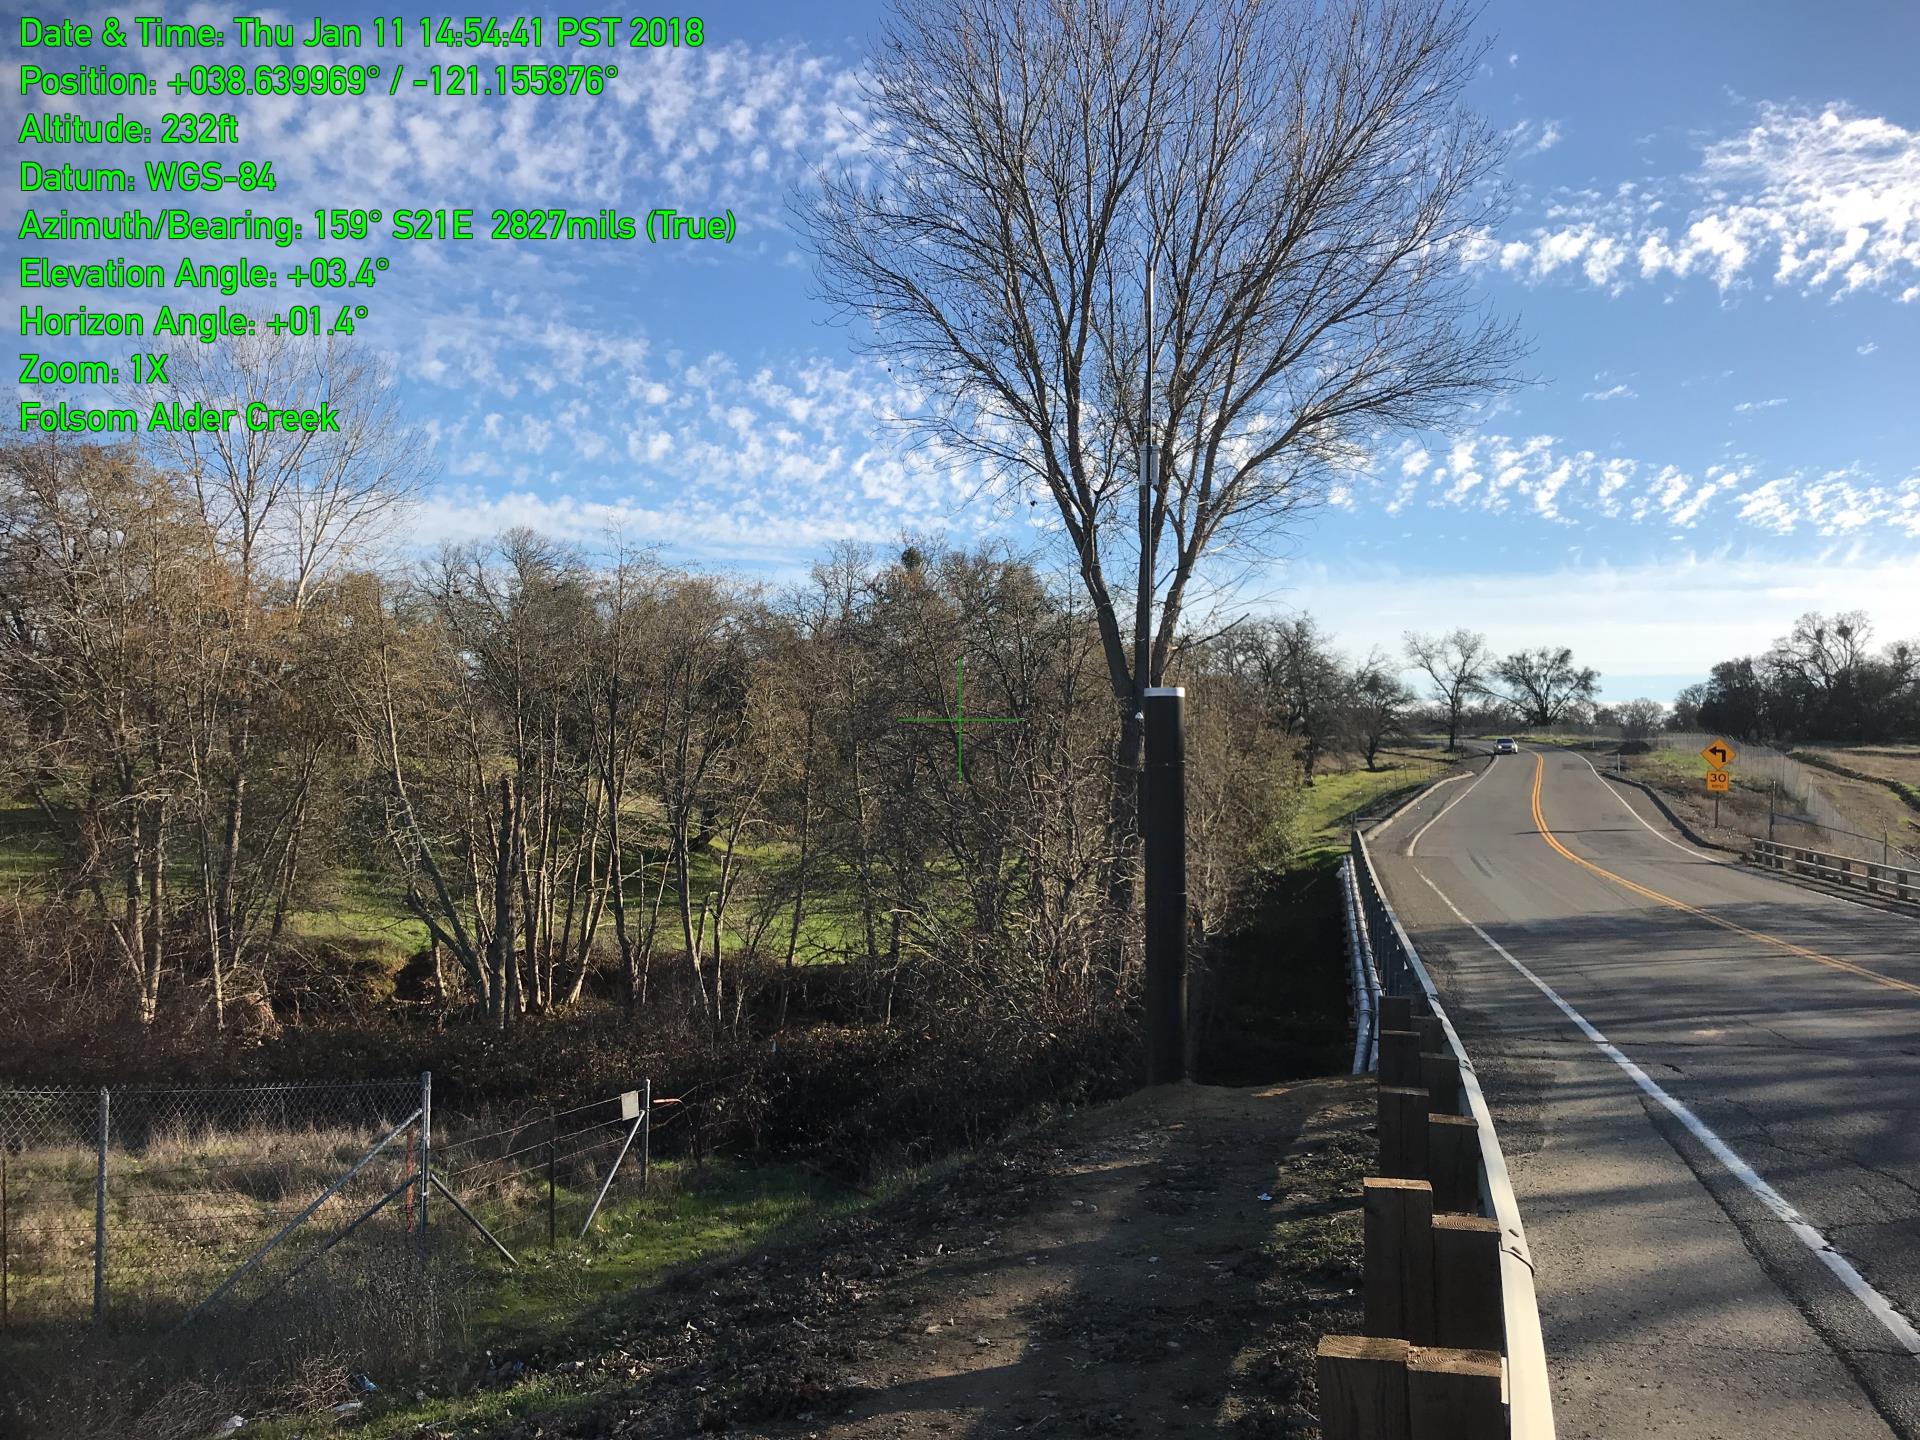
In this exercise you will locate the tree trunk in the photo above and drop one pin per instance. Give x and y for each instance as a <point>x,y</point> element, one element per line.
<point>504,961</point>
<point>800,872</point>
<point>226,947</point>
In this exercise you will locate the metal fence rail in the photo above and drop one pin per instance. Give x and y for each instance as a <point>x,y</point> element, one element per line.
<point>1895,882</point>
<point>1447,1263</point>
<point>1365,978</point>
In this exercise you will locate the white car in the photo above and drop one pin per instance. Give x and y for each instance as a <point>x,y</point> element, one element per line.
<point>1506,745</point>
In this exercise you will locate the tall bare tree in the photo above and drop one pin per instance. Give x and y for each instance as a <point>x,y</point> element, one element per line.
<point>1544,684</point>
<point>1457,663</point>
<point>1295,175</point>
<point>291,506</point>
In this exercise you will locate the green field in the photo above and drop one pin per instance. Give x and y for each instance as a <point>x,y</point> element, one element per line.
<point>363,910</point>
<point>1329,804</point>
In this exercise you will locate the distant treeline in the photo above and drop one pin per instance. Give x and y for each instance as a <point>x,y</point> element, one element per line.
<point>1823,681</point>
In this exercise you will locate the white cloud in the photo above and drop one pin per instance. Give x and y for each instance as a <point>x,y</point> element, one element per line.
<point>461,513</point>
<point>1613,392</point>
<point>1487,472</point>
<point>1745,406</point>
<point>1824,200</point>
<point>1866,349</point>
<point>1531,137</point>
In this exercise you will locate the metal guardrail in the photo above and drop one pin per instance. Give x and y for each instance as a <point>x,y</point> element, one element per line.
<point>1366,979</point>
<point>1893,881</point>
<point>1404,987</point>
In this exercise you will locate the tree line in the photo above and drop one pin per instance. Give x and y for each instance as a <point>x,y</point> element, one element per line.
<point>1823,680</point>
<point>595,776</point>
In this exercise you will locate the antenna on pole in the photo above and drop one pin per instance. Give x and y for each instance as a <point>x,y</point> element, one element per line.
<point>1149,464</point>
<point>1163,784</point>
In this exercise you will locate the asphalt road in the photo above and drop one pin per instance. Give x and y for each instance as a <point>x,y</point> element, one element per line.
<point>1750,1059</point>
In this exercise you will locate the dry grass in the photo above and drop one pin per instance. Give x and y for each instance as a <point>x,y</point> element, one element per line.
<point>1888,762</point>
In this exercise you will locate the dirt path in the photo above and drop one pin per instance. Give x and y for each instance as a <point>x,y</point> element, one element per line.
<point>1127,1279</point>
<point>1162,1265</point>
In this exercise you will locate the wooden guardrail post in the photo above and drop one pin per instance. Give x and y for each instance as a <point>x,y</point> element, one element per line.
<point>1403,1132</point>
<point>1400,1059</point>
<point>1396,1012</point>
<point>1433,1035</point>
<point>1453,1163</point>
<point>1363,1387</point>
<point>1440,1077</point>
<point>1466,1283</point>
<point>1397,1292</point>
<point>1454,1395</point>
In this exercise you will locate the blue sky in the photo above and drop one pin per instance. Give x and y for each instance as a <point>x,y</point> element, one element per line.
<point>1715,248</point>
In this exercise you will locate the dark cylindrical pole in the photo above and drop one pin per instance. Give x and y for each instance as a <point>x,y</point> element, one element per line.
<point>1163,823</point>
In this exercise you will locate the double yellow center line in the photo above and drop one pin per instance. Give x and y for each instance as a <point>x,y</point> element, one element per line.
<point>1540,820</point>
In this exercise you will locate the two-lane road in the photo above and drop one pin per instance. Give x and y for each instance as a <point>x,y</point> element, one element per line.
<point>1707,1082</point>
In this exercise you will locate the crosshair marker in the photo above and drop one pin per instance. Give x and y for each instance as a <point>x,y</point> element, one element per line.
<point>959,720</point>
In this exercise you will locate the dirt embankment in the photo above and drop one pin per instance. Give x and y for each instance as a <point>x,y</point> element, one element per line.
<point>1161,1265</point>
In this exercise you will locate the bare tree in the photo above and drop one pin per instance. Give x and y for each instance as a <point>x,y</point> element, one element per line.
<point>1377,704</point>
<point>1300,678</point>
<point>291,506</point>
<point>1296,177</point>
<point>1640,718</point>
<point>1544,685</point>
<point>1457,663</point>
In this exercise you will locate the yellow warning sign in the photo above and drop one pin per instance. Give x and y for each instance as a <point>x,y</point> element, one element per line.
<point>1719,754</point>
<point>1718,781</point>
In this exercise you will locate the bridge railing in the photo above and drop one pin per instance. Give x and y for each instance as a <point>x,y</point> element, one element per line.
<point>1452,1346</point>
<point>1893,881</point>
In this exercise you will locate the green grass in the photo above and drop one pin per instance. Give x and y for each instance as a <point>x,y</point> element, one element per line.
<point>553,1299</point>
<point>720,1208</point>
<point>1329,803</point>
<point>362,908</point>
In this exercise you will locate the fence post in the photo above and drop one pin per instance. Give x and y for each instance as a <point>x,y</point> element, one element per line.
<point>553,1131</point>
<point>1454,1394</point>
<point>100,1214</point>
<point>646,1130</point>
<point>6,1247</point>
<point>1397,1293</point>
<point>426,1160</point>
<point>1399,1059</point>
<point>1402,1123</point>
<point>1466,1283</point>
<point>1453,1163</point>
<point>1363,1387</point>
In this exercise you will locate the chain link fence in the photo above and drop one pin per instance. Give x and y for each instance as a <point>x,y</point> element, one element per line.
<point>1776,797</point>
<point>144,1208</point>
<point>135,1204</point>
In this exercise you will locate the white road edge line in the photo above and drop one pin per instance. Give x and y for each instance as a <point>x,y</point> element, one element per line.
<point>1414,844</point>
<point>1877,1304</point>
<point>1387,823</point>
